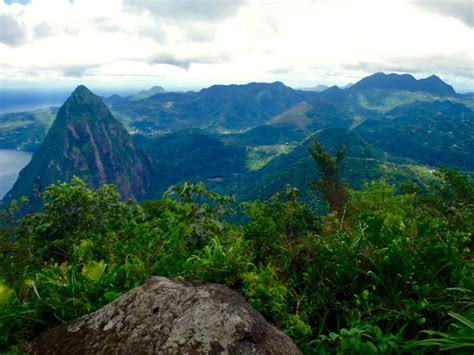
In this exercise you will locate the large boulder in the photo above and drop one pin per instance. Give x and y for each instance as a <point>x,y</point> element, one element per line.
<point>166,316</point>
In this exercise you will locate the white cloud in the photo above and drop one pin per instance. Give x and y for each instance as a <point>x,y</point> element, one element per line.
<point>187,10</point>
<point>196,43</point>
<point>12,32</point>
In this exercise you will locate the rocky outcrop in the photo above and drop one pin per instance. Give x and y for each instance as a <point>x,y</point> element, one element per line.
<point>166,316</point>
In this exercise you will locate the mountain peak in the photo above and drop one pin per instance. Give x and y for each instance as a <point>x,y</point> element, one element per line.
<point>432,84</point>
<point>144,94</point>
<point>82,95</point>
<point>157,88</point>
<point>82,90</point>
<point>86,141</point>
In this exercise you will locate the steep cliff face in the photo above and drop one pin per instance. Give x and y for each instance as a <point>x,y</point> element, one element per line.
<point>86,141</point>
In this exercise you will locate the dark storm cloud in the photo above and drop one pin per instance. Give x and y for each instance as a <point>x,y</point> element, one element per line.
<point>12,33</point>
<point>463,10</point>
<point>188,10</point>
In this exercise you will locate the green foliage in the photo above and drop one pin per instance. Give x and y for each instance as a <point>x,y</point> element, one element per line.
<point>330,183</point>
<point>398,277</point>
<point>460,337</point>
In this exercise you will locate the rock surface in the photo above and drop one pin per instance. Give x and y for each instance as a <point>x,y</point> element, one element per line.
<point>166,316</point>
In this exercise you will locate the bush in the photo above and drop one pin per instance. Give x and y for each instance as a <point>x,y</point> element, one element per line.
<point>395,275</point>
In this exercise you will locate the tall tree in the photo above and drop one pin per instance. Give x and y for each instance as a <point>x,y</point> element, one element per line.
<point>329,182</point>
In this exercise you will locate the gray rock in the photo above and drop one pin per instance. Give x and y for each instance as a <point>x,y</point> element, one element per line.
<point>166,316</point>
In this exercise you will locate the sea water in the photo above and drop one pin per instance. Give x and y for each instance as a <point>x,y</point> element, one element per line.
<point>11,162</point>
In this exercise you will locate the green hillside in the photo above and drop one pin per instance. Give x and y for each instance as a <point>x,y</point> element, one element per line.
<point>193,156</point>
<point>25,130</point>
<point>363,163</point>
<point>438,133</point>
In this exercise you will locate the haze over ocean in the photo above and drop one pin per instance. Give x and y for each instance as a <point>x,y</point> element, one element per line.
<point>19,100</point>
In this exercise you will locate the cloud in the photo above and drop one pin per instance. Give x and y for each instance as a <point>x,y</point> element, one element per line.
<point>64,71</point>
<point>203,42</point>
<point>154,32</point>
<point>185,61</point>
<point>200,32</point>
<point>76,70</point>
<point>43,30</point>
<point>281,70</point>
<point>12,33</point>
<point>105,24</point>
<point>170,59</point>
<point>459,65</point>
<point>188,10</point>
<point>462,10</point>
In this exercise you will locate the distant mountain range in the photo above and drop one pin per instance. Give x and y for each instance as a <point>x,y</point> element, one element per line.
<point>234,108</point>
<point>218,108</point>
<point>406,82</point>
<point>250,140</point>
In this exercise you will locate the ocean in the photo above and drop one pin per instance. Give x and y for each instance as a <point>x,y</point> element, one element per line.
<point>11,162</point>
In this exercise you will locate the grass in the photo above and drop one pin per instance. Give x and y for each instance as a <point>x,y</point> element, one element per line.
<point>258,157</point>
<point>295,116</point>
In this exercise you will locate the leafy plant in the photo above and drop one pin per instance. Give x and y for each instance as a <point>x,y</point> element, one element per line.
<point>398,277</point>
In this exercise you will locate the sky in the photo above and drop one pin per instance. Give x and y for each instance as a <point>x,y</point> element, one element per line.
<point>190,44</point>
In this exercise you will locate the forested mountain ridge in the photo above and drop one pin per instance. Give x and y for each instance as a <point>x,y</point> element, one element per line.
<point>155,112</point>
<point>217,108</point>
<point>439,133</point>
<point>236,108</point>
<point>406,82</point>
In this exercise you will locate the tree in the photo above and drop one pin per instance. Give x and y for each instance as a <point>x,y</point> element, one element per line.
<point>329,183</point>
